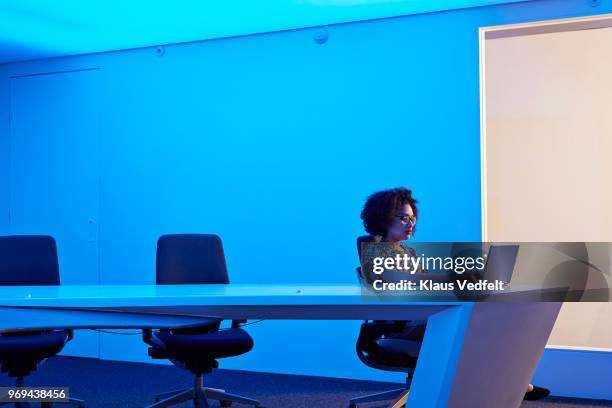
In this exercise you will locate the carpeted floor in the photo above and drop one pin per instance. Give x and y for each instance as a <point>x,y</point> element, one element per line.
<point>117,384</point>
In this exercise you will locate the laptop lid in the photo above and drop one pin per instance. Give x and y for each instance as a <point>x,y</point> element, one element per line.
<point>500,262</point>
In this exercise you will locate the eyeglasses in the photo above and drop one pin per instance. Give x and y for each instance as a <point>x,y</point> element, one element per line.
<point>406,219</point>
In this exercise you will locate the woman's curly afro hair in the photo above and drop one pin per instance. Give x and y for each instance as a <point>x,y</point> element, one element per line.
<point>381,208</point>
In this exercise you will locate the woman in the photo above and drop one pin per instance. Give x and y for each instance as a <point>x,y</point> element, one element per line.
<point>391,216</point>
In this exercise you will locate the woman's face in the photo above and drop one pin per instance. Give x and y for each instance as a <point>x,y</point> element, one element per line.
<point>403,224</point>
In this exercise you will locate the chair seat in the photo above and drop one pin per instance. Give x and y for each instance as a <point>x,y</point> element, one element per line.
<point>408,348</point>
<point>45,343</point>
<point>219,344</point>
<point>21,352</point>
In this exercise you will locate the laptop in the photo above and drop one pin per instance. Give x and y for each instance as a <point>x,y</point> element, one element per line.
<point>500,263</point>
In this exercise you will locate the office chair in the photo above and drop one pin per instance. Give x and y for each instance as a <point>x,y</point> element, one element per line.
<point>377,348</point>
<point>195,259</point>
<point>30,260</point>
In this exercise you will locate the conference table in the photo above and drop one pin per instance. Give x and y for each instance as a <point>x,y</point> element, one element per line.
<point>473,354</point>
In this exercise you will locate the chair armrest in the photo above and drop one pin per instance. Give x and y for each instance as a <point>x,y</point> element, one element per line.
<point>147,337</point>
<point>237,322</point>
<point>377,329</point>
<point>372,331</point>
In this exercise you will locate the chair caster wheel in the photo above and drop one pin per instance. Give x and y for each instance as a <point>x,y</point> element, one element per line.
<point>225,403</point>
<point>352,406</point>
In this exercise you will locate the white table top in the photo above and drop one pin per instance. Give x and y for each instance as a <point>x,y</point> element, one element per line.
<point>23,307</point>
<point>105,296</point>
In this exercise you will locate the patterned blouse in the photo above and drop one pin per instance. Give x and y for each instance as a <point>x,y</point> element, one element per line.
<point>372,250</point>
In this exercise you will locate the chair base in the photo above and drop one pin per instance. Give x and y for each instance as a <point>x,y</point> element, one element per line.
<point>200,395</point>
<point>399,396</point>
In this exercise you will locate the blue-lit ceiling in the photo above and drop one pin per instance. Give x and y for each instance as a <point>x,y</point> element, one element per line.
<point>31,29</point>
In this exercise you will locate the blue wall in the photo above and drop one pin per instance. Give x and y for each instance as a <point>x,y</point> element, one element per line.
<point>4,158</point>
<point>576,373</point>
<point>274,142</point>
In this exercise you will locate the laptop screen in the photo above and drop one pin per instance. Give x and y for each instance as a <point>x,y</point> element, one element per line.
<point>500,262</point>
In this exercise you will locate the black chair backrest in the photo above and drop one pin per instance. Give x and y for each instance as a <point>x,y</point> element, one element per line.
<point>190,259</point>
<point>28,260</point>
<point>362,240</point>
